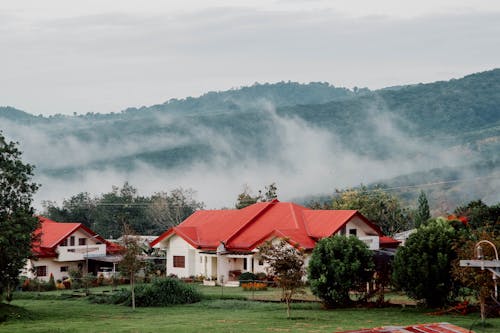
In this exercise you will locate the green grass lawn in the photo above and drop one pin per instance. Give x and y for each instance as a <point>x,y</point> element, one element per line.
<point>212,315</point>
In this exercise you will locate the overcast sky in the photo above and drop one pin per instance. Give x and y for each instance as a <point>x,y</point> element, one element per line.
<point>61,56</point>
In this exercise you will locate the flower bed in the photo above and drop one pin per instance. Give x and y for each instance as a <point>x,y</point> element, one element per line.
<point>254,286</point>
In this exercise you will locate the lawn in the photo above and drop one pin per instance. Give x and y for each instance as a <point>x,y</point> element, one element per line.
<point>213,315</point>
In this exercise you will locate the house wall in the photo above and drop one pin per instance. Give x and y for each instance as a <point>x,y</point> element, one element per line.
<point>79,252</point>
<point>52,266</point>
<point>178,247</point>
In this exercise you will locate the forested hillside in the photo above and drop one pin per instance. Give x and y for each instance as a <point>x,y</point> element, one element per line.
<point>309,138</point>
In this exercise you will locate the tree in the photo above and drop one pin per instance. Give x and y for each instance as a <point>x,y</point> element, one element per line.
<point>286,264</point>
<point>17,223</point>
<point>338,265</point>
<point>422,214</point>
<point>422,267</point>
<point>246,198</point>
<point>380,207</point>
<point>480,215</point>
<point>80,208</point>
<point>168,210</point>
<point>478,280</point>
<point>106,214</point>
<point>131,263</point>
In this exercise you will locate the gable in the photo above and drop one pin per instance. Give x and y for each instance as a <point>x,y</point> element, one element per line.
<point>51,234</point>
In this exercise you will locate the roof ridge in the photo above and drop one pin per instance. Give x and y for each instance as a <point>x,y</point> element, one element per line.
<point>261,212</point>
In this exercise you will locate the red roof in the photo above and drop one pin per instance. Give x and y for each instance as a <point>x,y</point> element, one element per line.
<point>247,228</point>
<point>50,234</point>
<point>419,328</point>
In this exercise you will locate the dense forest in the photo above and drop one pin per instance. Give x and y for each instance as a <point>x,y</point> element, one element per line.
<point>441,132</point>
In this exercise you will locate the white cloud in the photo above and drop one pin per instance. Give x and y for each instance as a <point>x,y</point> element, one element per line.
<point>103,57</point>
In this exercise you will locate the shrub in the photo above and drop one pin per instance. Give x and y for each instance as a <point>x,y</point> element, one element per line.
<point>247,276</point>
<point>162,292</point>
<point>422,267</point>
<point>249,286</point>
<point>51,285</point>
<point>339,264</point>
<point>261,276</point>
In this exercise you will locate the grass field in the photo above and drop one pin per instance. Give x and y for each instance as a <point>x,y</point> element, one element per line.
<point>212,315</point>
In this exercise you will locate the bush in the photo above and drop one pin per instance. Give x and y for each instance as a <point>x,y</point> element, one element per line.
<point>162,292</point>
<point>422,267</point>
<point>51,285</point>
<point>261,276</point>
<point>339,264</point>
<point>246,277</point>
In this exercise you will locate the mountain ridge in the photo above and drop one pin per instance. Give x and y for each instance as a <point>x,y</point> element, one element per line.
<point>301,128</point>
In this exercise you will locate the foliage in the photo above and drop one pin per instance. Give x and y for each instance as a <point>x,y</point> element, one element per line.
<point>246,198</point>
<point>251,286</point>
<point>17,223</point>
<point>106,214</point>
<point>377,205</point>
<point>422,214</point>
<point>338,265</point>
<point>131,263</point>
<point>161,292</point>
<point>286,264</point>
<point>168,210</point>
<point>422,268</point>
<point>52,282</point>
<point>473,278</point>
<point>246,276</point>
<point>480,215</point>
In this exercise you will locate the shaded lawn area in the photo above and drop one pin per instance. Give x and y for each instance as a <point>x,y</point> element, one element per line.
<point>77,315</point>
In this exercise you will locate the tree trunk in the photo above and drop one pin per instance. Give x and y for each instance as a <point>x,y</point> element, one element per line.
<point>482,303</point>
<point>132,287</point>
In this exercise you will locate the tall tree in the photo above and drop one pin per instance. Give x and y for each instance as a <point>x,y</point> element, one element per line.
<point>479,281</point>
<point>168,210</point>
<point>422,214</point>
<point>17,223</point>
<point>480,215</point>
<point>286,264</point>
<point>379,206</point>
<point>246,198</point>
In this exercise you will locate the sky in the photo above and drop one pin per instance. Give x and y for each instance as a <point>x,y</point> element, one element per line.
<point>61,56</point>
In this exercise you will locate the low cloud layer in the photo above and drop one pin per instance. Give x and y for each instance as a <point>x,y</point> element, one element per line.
<point>300,158</point>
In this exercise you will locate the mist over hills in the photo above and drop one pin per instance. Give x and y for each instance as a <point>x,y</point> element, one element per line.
<point>308,138</point>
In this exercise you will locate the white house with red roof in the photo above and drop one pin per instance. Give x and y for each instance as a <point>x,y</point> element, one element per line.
<point>222,243</point>
<point>62,247</point>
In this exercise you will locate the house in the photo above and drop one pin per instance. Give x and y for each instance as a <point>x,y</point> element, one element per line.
<point>221,244</point>
<point>62,247</point>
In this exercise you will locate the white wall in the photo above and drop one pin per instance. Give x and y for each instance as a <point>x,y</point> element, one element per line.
<point>176,246</point>
<point>53,267</point>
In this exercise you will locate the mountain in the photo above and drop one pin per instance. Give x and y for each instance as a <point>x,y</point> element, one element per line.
<point>309,138</point>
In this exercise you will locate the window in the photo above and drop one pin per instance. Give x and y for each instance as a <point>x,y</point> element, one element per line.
<point>261,262</point>
<point>245,263</point>
<point>342,231</point>
<point>41,270</point>
<point>179,261</point>
<point>64,242</point>
<point>82,241</point>
<point>353,232</point>
<point>64,268</point>
<point>72,241</point>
